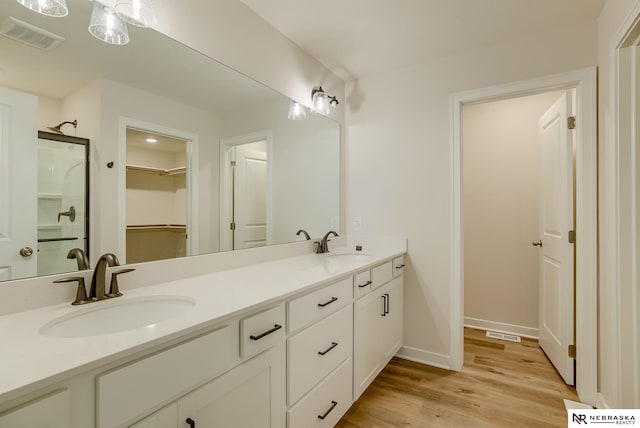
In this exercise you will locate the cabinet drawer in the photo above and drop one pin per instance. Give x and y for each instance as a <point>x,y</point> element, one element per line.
<point>126,393</point>
<point>261,331</point>
<point>51,411</point>
<point>381,274</point>
<point>336,388</point>
<point>314,306</point>
<point>316,351</point>
<point>398,266</point>
<point>361,284</point>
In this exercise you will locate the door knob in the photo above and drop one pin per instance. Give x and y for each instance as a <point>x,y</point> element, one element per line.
<point>537,243</point>
<point>26,251</point>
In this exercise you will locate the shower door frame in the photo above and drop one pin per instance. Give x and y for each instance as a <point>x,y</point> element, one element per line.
<point>51,136</point>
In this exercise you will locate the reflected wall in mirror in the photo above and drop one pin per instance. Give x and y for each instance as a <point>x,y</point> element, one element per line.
<point>159,87</point>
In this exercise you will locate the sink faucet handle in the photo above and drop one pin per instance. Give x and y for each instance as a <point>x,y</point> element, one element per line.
<point>114,289</point>
<point>81,294</point>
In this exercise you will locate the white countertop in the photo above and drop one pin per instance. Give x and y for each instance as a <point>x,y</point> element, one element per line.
<point>29,359</point>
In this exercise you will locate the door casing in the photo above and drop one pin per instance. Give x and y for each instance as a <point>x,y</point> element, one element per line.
<point>584,82</point>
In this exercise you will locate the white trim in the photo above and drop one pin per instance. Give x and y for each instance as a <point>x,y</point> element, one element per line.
<point>425,357</point>
<point>500,327</point>
<point>225,193</point>
<point>584,81</point>
<point>623,248</point>
<point>192,177</point>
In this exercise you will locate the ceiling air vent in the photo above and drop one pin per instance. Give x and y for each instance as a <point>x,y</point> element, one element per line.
<point>29,34</point>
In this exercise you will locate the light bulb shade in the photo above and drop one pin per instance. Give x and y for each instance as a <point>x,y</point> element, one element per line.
<point>47,7</point>
<point>106,26</point>
<point>320,101</point>
<point>297,111</point>
<point>140,13</point>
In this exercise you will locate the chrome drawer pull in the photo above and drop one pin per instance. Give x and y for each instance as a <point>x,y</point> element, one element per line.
<point>322,305</point>
<point>275,328</point>
<point>333,406</point>
<point>326,351</point>
<point>365,284</point>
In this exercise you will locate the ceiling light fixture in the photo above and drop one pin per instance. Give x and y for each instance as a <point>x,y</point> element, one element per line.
<point>108,24</point>
<point>105,25</point>
<point>140,13</point>
<point>321,101</point>
<point>57,8</point>
<point>151,140</point>
<point>297,111</point>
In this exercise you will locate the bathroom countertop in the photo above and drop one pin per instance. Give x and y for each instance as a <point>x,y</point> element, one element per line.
<point>30,360</point>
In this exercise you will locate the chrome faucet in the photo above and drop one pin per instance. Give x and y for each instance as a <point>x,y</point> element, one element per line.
<point>323,244</point>
<point>97,282</point>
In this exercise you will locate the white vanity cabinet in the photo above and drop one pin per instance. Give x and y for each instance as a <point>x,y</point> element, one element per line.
<point>319,357</point>
<point>50,411</point>
<point>378,330</point>
<point>249,396</point>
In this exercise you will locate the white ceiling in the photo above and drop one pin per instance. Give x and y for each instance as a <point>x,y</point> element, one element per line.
<point>356,38</point>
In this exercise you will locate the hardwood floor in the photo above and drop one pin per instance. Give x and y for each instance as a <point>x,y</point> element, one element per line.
<point>502,384</point>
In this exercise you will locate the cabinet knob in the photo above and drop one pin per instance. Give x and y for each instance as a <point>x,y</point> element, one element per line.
<point>191,422</point>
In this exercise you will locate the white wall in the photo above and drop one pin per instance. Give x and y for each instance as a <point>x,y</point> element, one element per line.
<point>398,161</point>
<point>501,173</point>
<point>612,344</point>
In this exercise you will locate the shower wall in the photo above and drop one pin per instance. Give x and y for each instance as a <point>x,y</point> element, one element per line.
<point>61,185</point>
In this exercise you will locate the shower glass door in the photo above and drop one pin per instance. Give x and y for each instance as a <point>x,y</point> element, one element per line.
<point>63,201</point>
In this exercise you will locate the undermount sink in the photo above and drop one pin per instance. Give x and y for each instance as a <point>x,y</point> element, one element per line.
<point>355,257</point>
<point>115,316</point>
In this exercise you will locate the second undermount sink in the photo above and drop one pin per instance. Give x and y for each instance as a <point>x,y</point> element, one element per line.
<point>115,316</point>
<point>350,257</point>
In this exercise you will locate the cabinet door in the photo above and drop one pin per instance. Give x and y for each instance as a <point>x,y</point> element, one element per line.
<point>391,332</point>
<point>167,417</point>
<point>249,396</point>
<point>367,350</point>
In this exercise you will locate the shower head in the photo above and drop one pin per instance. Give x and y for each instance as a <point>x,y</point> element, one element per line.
<point>58,130</point>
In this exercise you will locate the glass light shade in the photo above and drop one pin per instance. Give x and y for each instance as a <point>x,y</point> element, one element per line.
<point>106,26</point>
<point>320,102</point>
<point>47,7</point>
<point>297,111</point>
<point>140,13</point>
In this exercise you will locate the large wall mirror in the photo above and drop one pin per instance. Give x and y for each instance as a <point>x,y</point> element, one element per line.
<point>187,156</point>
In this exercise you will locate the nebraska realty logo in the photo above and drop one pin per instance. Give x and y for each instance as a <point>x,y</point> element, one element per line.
<point>582,417</point>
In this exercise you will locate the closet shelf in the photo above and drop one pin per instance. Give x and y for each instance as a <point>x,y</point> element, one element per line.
<point>158,171</point>
<point>49,195</point>
<point>156,227</point>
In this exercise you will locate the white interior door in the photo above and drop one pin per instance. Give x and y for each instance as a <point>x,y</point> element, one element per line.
<point>250,198</point>
<point>18,184</point>
<point>556,218</point>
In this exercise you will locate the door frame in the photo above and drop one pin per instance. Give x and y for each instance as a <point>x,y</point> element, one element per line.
<point>622,181</point>
<point>226,144</point>
<point>192,175</point>
<point>584,82</point>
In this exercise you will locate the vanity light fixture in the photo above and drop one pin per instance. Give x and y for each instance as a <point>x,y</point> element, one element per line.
<point>140,13</point>
<point>151,140</point>
<point>321,101</point>
<point>105,25</point>
<point>297,111</point>
<point>57,8</point>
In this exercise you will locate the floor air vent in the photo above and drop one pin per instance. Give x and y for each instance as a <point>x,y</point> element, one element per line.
<point>503,336</point>
<point>28,34</point>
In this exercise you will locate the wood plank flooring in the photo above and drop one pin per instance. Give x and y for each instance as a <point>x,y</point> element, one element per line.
<point>502,384</point>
